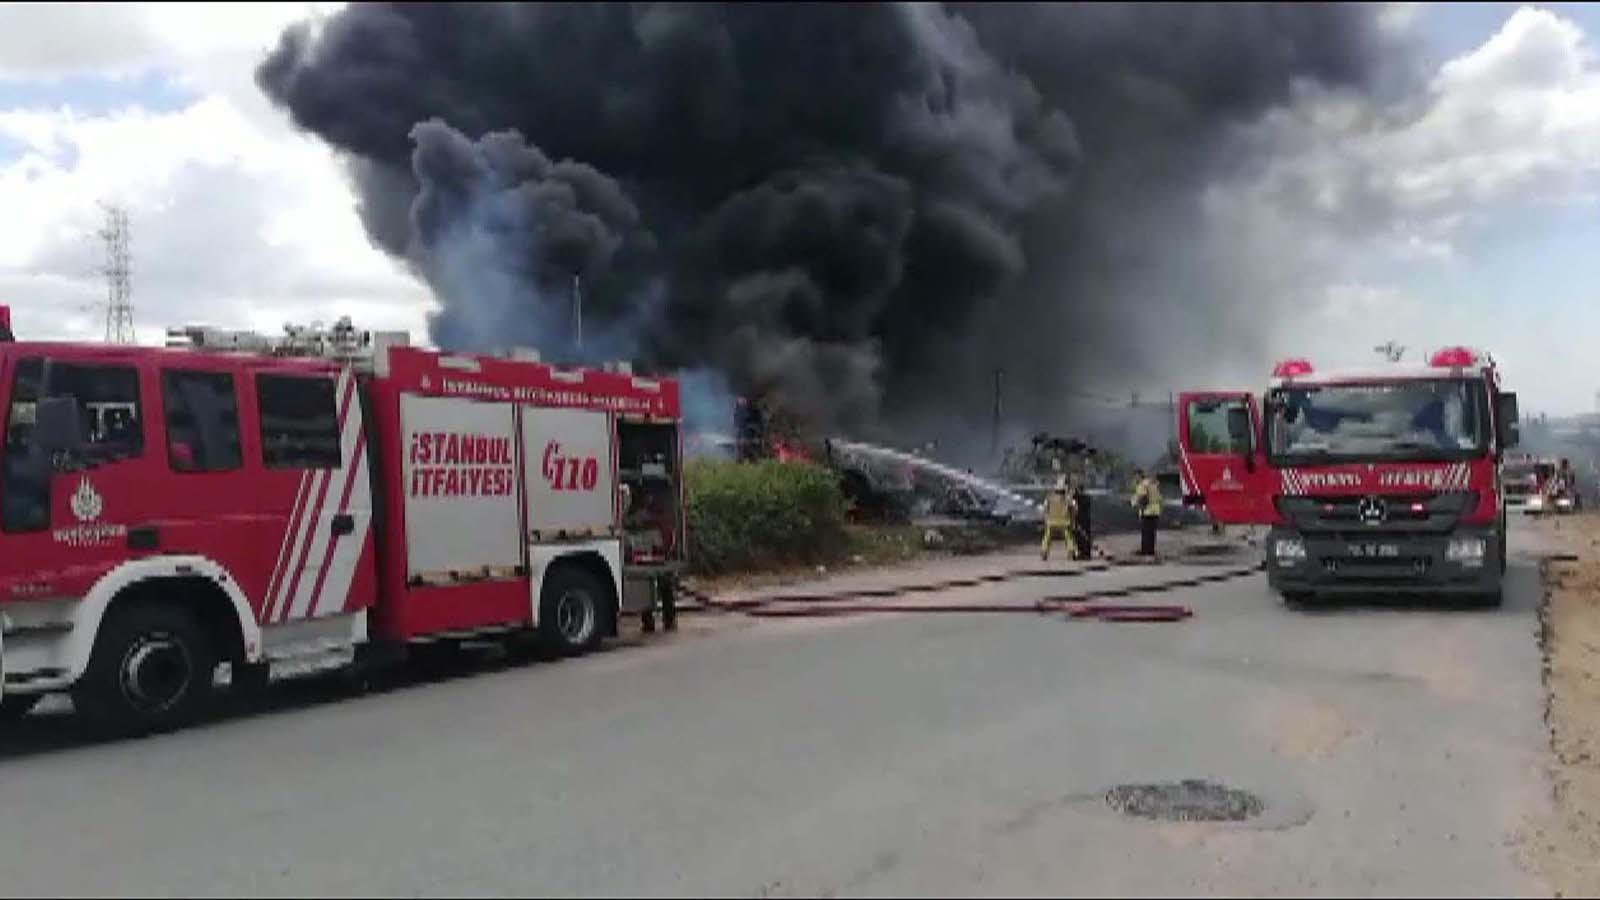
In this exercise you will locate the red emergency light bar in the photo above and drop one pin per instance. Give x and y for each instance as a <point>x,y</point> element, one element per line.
<point>1454,358</point>
<point>1291,368</point>
<point>5,324</point>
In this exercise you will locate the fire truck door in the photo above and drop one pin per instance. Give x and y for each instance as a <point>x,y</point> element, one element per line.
<point>205,487</point>
<point>69,516</point>
<point>317,495</point>
<point>1221,462</point>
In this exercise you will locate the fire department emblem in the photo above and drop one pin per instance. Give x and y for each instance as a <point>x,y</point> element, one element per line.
<point>86,502</point>
<point>1227,482</point>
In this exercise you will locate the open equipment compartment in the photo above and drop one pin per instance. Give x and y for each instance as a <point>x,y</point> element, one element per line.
<point>650,473</point>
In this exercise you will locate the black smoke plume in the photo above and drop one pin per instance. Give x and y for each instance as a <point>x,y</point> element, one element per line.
<point>862,208</point>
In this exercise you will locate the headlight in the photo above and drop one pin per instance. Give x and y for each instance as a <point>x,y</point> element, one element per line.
<point>1467,551</point>
<point>1536,502</point>
<point>1289,550</point>
<point>1564,502</point>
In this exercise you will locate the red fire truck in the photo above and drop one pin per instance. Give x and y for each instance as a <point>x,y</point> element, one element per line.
<point>1527,479</point>
<point>1379,480</point>
<point>272,507</point>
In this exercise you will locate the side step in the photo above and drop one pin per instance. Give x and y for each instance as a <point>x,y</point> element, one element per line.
<point>313,646</point>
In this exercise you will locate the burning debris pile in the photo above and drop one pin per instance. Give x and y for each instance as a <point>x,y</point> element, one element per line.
<point>864,208</point>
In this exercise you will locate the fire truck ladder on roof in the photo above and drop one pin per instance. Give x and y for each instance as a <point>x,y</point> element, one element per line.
<point>342,341</point>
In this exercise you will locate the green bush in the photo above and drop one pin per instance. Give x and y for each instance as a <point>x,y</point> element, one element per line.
<point>749,515</point>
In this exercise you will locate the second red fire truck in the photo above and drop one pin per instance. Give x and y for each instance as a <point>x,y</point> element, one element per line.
<point>1386,479</point>
<point>282,506</point>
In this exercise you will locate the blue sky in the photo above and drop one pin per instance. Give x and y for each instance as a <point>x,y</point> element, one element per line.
<point>1452,29</point>
<point>154,90</point>
<point>154,105</point>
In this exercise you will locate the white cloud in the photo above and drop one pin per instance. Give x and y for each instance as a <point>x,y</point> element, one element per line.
<point>1516,120</point>
<point>1398,17</point>
<point>1535,49</point>
<point>44,40</point>
<point>1354,197</point>
<point>237,220</point>
<point>49,40</point>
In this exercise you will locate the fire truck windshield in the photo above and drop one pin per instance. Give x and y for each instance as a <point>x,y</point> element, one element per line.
<point>1418,419</point>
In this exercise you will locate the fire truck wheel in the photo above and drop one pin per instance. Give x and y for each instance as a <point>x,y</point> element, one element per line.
<point>1297,599</point>
<point>152,669</point>
<point>250,682</point>
<point>572,612</point>
<point>16,706</point>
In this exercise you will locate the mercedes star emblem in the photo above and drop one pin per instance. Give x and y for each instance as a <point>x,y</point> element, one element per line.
<point>1373,511</point>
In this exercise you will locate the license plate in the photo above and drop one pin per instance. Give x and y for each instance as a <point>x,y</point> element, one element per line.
<point>1374,551</point>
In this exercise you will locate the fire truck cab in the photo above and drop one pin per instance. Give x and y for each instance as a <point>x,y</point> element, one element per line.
<point>1386,479</point>
<point>288,505</point>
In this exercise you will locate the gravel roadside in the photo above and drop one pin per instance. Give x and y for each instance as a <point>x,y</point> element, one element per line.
<point>1566,846</point>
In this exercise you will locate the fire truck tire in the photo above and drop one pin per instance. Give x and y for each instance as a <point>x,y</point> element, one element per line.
<point>439,659</point>
<point>1298,599</point>
<point>152,669</point>
<point>572,610</point>
<point>251,681</point>
<point>16,706</point>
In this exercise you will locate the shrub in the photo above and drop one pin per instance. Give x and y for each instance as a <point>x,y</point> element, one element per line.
<point>749,515</point>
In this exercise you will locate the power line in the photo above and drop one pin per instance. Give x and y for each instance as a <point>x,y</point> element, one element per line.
<point>118,272</point>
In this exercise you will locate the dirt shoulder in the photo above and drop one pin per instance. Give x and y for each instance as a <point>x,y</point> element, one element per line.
<point>1566,850</point>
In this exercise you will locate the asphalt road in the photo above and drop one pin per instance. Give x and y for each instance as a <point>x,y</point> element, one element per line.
<point>1397,749</point>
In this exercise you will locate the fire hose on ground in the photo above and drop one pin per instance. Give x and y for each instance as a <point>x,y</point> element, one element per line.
<point>1082,605</point>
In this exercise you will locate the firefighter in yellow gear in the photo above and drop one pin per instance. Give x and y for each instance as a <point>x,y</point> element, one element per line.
<point>1059,514</point>
<point>1147,503</point>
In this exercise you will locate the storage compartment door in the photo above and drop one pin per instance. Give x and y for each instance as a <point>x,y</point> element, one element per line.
<point>460,488</point>
<point>570,472</point>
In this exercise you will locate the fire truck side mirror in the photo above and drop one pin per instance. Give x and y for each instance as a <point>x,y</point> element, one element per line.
<point>1239,437</point>
<point>1509,421</point>
<point>56,426</point>
<point>1239,427</point>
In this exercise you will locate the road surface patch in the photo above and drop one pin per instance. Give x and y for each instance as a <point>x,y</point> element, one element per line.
<point>1190,800</point>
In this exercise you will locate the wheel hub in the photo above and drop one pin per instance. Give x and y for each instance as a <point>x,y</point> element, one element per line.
<point>574,616</point>
<point>156,672</point>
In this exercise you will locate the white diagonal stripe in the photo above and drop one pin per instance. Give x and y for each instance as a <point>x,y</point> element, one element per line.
<point>280,571</point>
<point>321,521</point>
<point>347,552</point>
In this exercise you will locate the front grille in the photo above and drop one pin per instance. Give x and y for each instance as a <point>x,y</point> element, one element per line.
<point>1405,513</point>
<point>1364,535</point>
<point>1334,509</point>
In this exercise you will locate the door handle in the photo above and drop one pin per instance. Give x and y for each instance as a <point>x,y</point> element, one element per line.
<point>143,537</point>
<point>343,524</point>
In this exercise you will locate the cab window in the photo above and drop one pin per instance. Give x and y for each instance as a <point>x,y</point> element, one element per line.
<point>108,405</point>
<point>202,421</point>
<point>110,420</point>
<point>299,422</point>
<point>1208,426</point>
